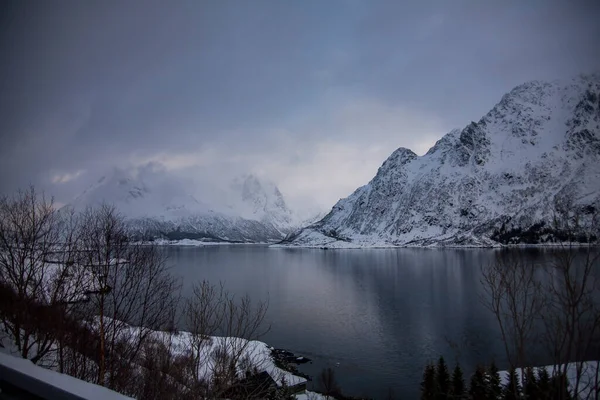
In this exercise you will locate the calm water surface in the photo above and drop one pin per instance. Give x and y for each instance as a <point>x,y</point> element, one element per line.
<point>376,316</point>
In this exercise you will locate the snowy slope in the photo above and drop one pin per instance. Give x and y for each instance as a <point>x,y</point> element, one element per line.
<point>158,204</point>
<point>500,180</point>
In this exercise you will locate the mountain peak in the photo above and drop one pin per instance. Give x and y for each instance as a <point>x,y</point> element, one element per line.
<point>262,200</point>
<point>401,156</point>
<point>499,180</point>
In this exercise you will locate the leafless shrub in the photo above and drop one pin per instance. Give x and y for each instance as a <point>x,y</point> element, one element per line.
<point>164,375</point>
<point>204,313</point>
<point>556,304</point>
<point>513,292</point>
<point>328,382</point>
<point>572,316</point>
<point>212,310</point>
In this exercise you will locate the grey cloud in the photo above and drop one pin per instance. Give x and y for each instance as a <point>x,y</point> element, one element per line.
<point>263,85</point>
<point>457,58</point>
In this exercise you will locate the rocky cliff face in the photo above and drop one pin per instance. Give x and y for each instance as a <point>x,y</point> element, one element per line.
<point>511,177</point>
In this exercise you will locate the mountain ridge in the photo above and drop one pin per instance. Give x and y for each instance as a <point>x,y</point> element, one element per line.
<point>500,180</point>
<point>157,205</point>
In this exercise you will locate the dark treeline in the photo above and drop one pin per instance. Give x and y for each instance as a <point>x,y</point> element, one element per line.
<point>486,384</point>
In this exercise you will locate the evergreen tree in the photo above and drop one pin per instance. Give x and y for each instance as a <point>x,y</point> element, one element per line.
<point>442,378</point>
<point>390,395</point>
<point>428,383</point>
<point>512,389</point>
<point>494,387</point>
<point>559,388</point>
<point>477,387</point>
<point>458,383</point>
<point>531,388</point>
<point>543,383</point>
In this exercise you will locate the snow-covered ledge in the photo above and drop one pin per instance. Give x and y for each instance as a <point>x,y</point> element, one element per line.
<point>22,375</point>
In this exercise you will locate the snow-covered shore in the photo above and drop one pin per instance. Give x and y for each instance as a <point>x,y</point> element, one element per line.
<point>313,237</point>
<point>256,352</point>
<point>324,242</point>
<point>252,352</point>
<point>199,243</point>
<point>357,245</point>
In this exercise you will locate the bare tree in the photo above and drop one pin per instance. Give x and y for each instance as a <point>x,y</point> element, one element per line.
<point>572,317</point>
<point>204,313</point>
<point>513,293</point>
<point>28,235</point>
<point>556,304</point>
<point>328,382</point>
<point>212,310</point>
<point>42,284</point>
<point>164,375</point>
<point>68,290</point>
<point>243,322</point>
<point>133,286</point>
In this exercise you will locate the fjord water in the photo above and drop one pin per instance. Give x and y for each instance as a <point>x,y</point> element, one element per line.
<point>376,316</point>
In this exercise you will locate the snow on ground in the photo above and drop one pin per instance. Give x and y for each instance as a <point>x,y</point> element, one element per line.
<point>586,384</point>
<point>64,382</point>
<point>308,395</point>
<point>313,239</point>
<point>197,243</point>
<point>7,345</point>
<point>257,352</point>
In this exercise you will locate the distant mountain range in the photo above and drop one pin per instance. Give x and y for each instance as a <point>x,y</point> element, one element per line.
<point>508,178</point>
<point>157,204</point>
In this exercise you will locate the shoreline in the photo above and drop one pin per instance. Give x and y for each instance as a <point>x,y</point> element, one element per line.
<point>436,247</point>
<point>342,245</point>
<point>200,243</point>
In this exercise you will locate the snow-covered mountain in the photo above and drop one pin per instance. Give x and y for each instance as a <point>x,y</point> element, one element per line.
<point>261,200</point>
<point>503,179</point>
<point>158,204</point>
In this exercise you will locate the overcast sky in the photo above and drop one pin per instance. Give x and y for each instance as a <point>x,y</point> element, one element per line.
<point>311,94</point>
